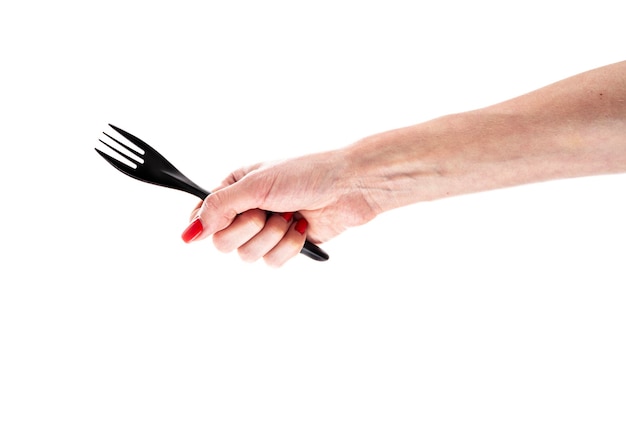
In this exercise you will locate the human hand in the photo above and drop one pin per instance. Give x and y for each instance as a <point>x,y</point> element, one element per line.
<point>572,128</point>
<point>311,197</point>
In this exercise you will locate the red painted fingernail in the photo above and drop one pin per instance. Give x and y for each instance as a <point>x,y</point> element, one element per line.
<point>287,216</point>
<point>301,226</point>
<point>193,230</point>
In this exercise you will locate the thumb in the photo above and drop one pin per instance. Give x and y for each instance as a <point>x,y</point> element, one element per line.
<point>220,208</point>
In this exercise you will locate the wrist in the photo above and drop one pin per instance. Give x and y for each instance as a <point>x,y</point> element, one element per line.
<point>394,168</point>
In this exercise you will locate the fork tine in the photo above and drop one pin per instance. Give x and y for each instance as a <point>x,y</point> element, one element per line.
<point>130,137</point>
<point>123,150</point>
<point>119,165</point>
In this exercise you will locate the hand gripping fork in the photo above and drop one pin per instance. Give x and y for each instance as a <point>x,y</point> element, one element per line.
<point>152,167</point>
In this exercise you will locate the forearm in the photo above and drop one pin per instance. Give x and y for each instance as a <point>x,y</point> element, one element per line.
<point>575,127</point>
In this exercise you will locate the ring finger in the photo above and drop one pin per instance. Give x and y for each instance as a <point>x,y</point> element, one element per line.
<point>264,241</point>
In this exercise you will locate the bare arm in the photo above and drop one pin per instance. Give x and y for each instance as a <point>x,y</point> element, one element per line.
<point>575,127</point>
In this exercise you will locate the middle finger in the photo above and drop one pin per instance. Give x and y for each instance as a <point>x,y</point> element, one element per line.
<point>241,230</point>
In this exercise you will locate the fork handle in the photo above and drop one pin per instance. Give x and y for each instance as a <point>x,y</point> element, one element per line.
<point>309,249</point>
<point>313,251</point>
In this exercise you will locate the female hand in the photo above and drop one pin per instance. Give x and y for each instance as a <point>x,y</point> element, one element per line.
<point>310,196</point>
<point>574,127</point>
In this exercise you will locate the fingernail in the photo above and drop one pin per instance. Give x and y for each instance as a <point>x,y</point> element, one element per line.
<point>301,226</point>
<point>287,216</point>
<point>193,230</point>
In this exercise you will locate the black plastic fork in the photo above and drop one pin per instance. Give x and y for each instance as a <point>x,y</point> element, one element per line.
<point>153,168</point>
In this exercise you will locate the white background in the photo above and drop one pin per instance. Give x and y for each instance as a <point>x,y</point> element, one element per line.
<point>505,306</point>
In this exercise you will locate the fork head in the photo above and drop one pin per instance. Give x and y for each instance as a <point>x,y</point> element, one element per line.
<point>137,159</point>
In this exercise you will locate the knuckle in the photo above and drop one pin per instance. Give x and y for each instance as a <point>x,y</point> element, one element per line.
<point>215,206</point>
<point>247,255</point>
<point>221,243</point>
<point>273,262</point>
<point>257,219</point>
<point>274,232</point>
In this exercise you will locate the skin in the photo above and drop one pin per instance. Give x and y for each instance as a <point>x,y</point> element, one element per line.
<point>574,127</point>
